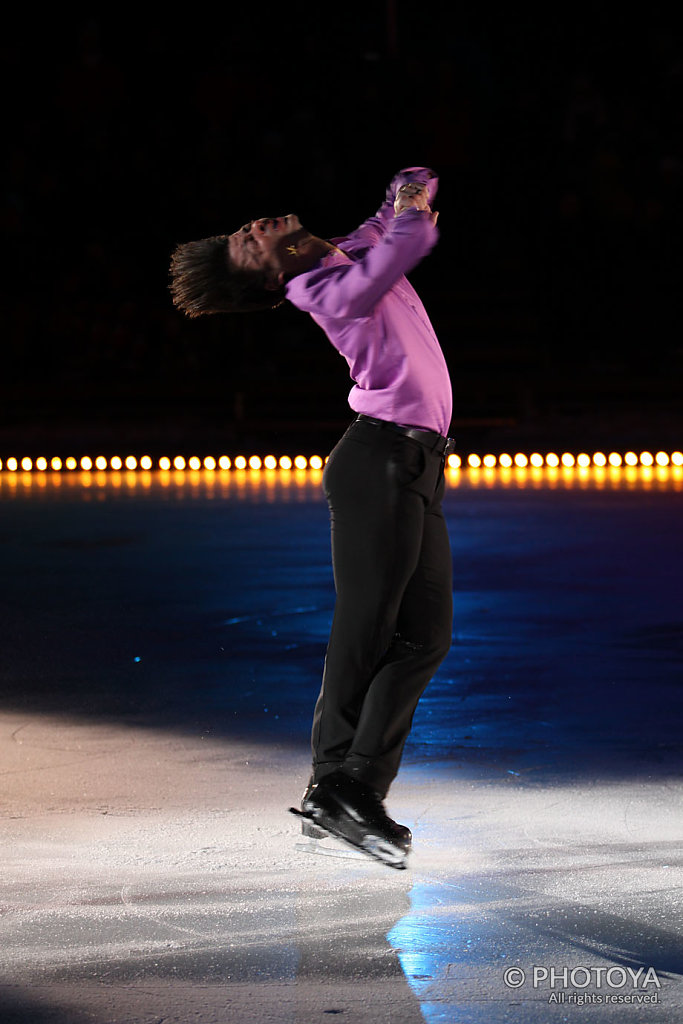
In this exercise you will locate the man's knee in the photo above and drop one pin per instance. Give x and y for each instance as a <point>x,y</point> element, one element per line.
<point>433,645</point>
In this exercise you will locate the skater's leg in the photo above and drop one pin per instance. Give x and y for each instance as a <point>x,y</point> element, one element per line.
<point>377,519</point>
<point>422,640</point>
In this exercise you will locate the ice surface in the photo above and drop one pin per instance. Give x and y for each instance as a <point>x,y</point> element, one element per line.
<point>161,654</point>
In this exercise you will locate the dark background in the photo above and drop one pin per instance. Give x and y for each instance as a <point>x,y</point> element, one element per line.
<point>555,288</point>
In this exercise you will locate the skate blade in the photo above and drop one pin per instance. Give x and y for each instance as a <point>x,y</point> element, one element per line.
<point>341,851</point>
<point>378,849</point>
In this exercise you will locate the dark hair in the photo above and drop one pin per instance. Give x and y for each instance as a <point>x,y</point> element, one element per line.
<point>203,281</point>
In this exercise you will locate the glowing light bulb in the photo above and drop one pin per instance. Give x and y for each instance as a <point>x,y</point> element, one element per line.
<point>41,464</point>
<point>315,462</point>
<point>614,459</point>
<point>568,459</point>
<point>240,462</point>
<point>27,464</point>
<point>194,462</point>
<point>86,463</point>
<point>489,461</point>
<point>71,463</point>
<point>583,460</point>
<point>270,462</point>
<point>100,462</point>
<point>224,462</point>
<point>116,462</point>
<point>552,459</point>
<point>536,460</point>
<point>254,462</point>
<point>599,459</point>
<point>454,461</point>
<point>505,460</point>
<point>12,464</point>
<point>646,459</point>
<point>145,462</point>
<point>521,460</point>
<point>677,458</point>
<point>474,461</point>
<point>285,462</point>
<point>301,462</point>
<point>209,462</point>
<point>56,463</point>
<point>662,459</point>
<point>164,462</point>
<point>179,462</point>
<point>131,462</point>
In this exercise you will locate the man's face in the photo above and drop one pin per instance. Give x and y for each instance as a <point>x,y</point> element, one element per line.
<point>262,245</point>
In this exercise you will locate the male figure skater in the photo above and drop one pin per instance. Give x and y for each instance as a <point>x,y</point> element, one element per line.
<point>384,483</point>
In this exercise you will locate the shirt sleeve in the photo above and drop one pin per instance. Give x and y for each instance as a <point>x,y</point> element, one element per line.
<point>352,290</point>
<point>373,229</point>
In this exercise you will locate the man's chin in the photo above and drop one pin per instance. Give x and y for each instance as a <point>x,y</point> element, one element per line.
<point>295,234</point>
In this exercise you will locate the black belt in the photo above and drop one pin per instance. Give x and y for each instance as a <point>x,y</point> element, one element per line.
<point>429,438</point>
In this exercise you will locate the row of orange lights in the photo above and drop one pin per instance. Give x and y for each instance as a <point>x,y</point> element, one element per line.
<point>164,463</point>
<point>568,460</point>
<point>270,462</point>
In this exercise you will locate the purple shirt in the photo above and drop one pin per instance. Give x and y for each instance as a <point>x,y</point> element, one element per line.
<point>374,317</point>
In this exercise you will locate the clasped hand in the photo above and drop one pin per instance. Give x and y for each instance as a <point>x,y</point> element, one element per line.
<point>413,194</point>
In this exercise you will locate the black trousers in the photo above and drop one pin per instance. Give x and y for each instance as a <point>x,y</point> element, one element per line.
<point>392,621</point>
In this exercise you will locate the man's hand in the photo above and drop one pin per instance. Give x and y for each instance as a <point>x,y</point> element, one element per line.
<point>413,194</point>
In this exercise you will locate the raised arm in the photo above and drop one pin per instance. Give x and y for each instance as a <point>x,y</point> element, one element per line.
<point>352,290</point>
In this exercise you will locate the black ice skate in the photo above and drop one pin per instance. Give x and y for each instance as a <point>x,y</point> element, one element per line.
<point>348,809</point>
